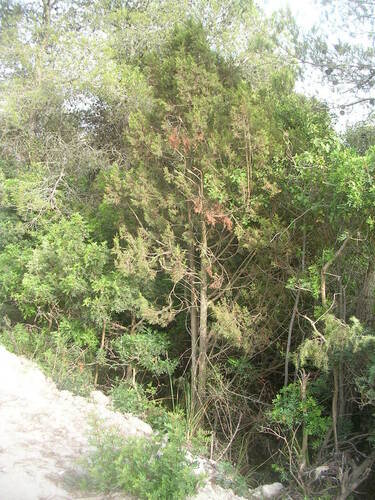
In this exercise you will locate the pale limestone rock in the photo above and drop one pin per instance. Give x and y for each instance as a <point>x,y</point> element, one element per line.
<point>267,491</point>
<point>43,431</point>
<point>100,399</point>
<point>320,471</point>
<point>214,492</point>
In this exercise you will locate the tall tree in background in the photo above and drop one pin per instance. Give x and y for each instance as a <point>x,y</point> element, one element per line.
<point>347,59</point>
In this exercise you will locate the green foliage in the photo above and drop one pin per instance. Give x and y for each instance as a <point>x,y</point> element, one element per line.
<point>13,260</point>
<point>75,333</point>
<point>282,472</point>
<point>154,156</point>
<point>149,468</point>
<point>339,341</point>
<point>241,367</point>
<point>365,380</point>
<point>60,269</point>
<point>129,398</point>
<point>147,350</point>
<point>360,137</point>
<point>309,281</point>
<point>290,411</point>
<point>196,439</point>
<point>237,326</point>
<point>60,359</point>
<point>228,477</point>
<point>137,400</point>
<point>22,340</point>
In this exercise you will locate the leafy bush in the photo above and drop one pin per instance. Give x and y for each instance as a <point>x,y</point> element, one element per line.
<point>149,468</point>
<point>22,340</point>
<point>146,350</point>
<point>130,398</point>
<point>290,411</point>
<point>133,398</point>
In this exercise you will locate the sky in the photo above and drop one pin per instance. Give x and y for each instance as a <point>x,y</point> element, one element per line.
<point>308,13</point>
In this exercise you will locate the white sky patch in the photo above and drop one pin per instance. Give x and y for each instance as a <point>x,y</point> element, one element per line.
<point>307,14</point>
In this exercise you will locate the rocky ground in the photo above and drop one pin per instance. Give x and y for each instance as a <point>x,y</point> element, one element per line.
<point>44,432</point>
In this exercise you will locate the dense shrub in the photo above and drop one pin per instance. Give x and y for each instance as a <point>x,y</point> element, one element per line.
<point>149,468</point>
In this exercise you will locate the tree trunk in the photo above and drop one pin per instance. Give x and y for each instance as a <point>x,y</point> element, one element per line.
<point>334,406</point>
<point>366,300</point>
<point>193,315</point>
<point>359,473</point>
<point>304,460</point>
<point>47,7</point>
<point>336,372</point>
<point>130,371</point>
<point>290,331</point>
<point>102,343</point>
<point>194,345</point>
<point>292,319</point>
<point>325,268</point>
<point>203,339</point>
<point>341,369</point>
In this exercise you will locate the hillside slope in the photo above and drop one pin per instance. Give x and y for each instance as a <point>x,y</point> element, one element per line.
<point>44,432</point>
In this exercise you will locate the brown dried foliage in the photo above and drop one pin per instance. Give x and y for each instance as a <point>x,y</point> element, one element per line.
<point>213,214</point>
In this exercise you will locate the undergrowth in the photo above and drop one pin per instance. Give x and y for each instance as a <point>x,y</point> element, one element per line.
<point>152,468</point>
<point>134,399</point>
<point>137,400</point>
<point>65,363</point>
<point>228,477</point>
